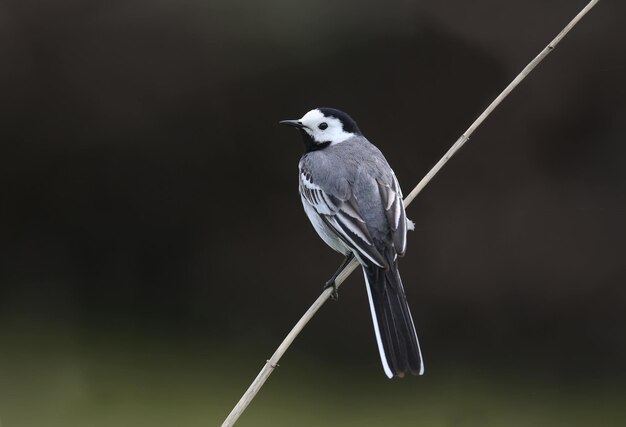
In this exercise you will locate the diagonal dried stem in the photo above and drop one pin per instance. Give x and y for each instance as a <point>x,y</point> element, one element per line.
<point>272,363</point>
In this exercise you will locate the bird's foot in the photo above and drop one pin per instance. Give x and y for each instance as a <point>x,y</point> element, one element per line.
<point>334,295</point>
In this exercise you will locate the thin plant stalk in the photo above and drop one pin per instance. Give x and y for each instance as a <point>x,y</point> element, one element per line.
<point>272,362</point>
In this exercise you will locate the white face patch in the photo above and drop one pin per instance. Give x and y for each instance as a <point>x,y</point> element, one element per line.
<point>323,129</point>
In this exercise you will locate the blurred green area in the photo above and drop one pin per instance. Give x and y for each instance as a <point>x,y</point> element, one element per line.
<point>52,375</point>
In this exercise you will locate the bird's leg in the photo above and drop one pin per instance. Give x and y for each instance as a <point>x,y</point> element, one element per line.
<point>334,295</point>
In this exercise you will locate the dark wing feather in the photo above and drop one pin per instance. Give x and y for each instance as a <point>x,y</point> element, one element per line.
<point>394,210</point>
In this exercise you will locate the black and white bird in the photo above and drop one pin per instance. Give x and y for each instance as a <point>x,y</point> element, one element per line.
<point>353,199</point>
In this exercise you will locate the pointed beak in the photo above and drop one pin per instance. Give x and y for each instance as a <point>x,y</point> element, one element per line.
<point>294,123</point>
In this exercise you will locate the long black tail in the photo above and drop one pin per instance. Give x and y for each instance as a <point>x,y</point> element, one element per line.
<point>395,333</point>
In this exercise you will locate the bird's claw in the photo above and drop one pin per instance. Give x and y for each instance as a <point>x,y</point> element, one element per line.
<point>334,295</point>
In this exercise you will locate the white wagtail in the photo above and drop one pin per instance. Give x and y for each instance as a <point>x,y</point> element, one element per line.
<point>354,201</point>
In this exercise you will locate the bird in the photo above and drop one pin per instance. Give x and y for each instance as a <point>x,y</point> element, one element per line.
<point>353,200</point>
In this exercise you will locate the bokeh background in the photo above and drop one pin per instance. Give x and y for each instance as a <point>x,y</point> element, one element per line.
<point>154,252</point>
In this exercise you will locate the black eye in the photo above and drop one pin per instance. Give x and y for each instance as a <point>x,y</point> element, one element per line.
<point>323,125</point>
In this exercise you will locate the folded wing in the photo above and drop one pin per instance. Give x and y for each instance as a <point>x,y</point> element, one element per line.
<point>341,213</point>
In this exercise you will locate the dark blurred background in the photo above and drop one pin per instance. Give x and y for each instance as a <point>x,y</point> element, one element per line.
<point>153,248</point>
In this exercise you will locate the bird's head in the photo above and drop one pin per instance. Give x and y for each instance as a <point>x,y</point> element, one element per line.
<point>322,127</point>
